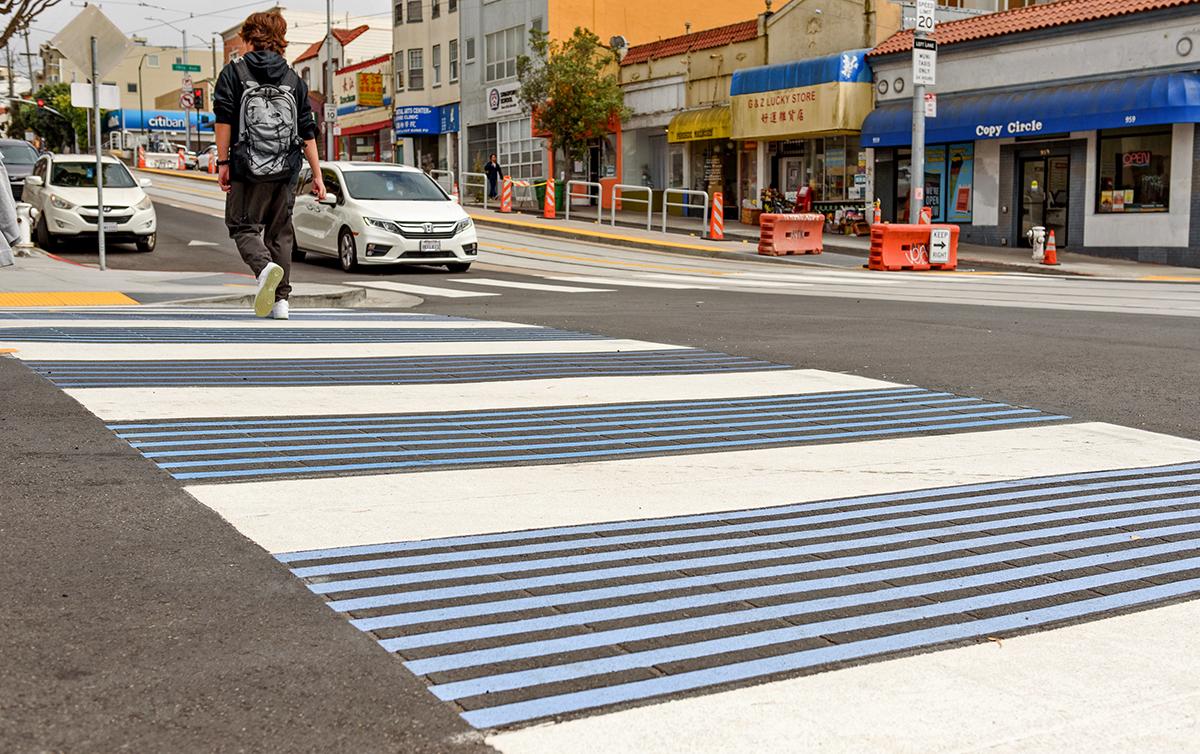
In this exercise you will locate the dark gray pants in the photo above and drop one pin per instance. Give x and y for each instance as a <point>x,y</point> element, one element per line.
<point>259,218</point>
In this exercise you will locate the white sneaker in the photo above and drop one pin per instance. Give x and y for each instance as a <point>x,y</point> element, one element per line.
<point>280,310</point>
<point>268,281</point>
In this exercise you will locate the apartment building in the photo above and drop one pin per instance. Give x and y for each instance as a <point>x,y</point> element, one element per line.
<point>426,70</point>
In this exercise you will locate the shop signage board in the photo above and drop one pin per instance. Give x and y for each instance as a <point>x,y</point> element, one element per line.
<point>924,62</point>
<point>417,120</point>
<point>448,118</point>
<point>369,89</point>
<point>502,100</point>
<point>793,100</point>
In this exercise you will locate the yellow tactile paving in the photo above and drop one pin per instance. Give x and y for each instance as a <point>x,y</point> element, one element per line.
<point>66,298</point>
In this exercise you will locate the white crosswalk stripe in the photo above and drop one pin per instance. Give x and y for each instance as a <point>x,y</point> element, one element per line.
<point>419,290</point>
<point>532,286</point>
<point>672,548</point>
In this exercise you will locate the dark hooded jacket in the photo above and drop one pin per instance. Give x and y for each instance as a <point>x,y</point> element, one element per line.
<point>267,68</point>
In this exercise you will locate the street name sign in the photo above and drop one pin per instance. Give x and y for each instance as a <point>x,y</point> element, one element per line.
<point>924,62</point>
<point>939,246</point>
<point>190,67</point>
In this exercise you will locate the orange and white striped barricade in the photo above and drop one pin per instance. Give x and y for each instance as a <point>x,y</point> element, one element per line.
<point>877,213</point>
<point>212,163</point>
<point>457,197</point>
<point>896,246</point>
<point>716,220</point>
<point>926,215</point>
<point>181,161</point>
<point>506,194</point>
<point>791,233</point>
<point>548,208</point>
<point>141,157</point>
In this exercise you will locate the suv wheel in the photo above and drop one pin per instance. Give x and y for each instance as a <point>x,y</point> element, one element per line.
<point>146,244</point>
<point>45,241</point>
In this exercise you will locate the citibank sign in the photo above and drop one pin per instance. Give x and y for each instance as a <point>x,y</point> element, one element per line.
<point>162,121</point>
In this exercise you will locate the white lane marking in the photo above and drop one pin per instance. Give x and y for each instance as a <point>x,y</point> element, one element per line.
<point>1086,687</point>
<point>419,290</point>
<point>202,243</point>
<point>730,282</point>
<point>632,282</point>
<point>181,402</point>
<point>532,286</point>
<point>74,351</point>
<point>255,323</point>
<point>289,515</point>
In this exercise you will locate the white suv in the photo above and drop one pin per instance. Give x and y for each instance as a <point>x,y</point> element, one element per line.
<point>62,191</point>
<point>382,214</point>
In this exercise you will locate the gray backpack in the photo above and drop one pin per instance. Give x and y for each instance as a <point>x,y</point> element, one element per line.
<point>268,144</point>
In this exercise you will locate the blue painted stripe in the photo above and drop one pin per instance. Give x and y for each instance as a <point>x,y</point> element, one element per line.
<point>587,443</point>
<point>724,404</point>
<point>587,431</point>
<point>646,569</point>
<point>623,591</point>
<point>675,653</point>
<point>426,544</point>
<point>710,599</point>
<point>161,335</point>
<point>498,428</point>
<point>522,551</point>
<point>276,471</point>
<point>625,692</point>
<point>577,560</point>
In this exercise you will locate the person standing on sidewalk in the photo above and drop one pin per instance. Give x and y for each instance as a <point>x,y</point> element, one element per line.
<point>265,129</point>
<point>494,174</point>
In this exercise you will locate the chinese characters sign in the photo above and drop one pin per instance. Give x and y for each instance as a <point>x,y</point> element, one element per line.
<point>783,113</point>
<point>370,89</point>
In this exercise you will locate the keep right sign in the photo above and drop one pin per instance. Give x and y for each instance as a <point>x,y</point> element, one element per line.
<point>939,246</point>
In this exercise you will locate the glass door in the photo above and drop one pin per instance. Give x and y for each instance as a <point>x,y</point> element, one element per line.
<point>1033,195</point>
<point>1045,193</point>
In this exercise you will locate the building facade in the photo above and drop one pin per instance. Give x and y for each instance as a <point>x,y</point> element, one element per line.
<point>426,70</point>
<point>1071,117</point>
<point>364,110</point>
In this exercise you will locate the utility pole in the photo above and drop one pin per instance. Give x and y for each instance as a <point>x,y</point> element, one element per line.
<point>8,52</point>
<point>329,154</point>
<point>28,63</point>
<point>924,65</point>
<point>99,161</point>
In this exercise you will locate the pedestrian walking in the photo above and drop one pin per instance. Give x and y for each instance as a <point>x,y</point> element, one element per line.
<point>10,232</point>
<point>495,174</point>
<point>265,130</point>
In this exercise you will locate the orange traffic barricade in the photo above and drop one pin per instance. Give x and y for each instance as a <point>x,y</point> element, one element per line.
<point>790,234</point>
<point>913,247</point>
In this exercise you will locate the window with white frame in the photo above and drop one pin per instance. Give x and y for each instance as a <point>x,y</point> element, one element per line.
<point>453,60</point>
<point>435,63</point>
<point>306,76</point>
<point>500,51</point>
<point>398,68</point>
<point>520,154</point>
<point>416,69</point>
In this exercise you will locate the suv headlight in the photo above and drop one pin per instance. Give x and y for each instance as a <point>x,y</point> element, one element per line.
<point>145,203</point>
<point>61,203</point>
<point>387,225</point>
<point>463,225</point>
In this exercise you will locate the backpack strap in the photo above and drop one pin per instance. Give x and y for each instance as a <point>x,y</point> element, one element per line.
<point>243,72</point>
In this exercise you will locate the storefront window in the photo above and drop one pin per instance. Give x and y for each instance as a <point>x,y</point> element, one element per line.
<point>519,153</point>
<point>949,171</point>
<point>1134,170</point>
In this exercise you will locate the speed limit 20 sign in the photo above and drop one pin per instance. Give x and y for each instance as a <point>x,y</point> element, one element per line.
<point>926,20</point>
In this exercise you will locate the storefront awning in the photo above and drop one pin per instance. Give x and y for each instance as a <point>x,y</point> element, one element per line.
<point>696,125</point>
<point>830,94</point>
<point>1118,103</point>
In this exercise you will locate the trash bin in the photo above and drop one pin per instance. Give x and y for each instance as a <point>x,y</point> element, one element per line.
<point>560,194</point>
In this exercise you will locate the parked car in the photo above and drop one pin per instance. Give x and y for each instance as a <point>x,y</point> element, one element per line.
<point>19,157</point>
<point>62,191</point>
<point>381,214</point>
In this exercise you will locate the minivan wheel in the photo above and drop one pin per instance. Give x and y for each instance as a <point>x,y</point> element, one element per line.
<point>459,266</point>
<point>347,253</point>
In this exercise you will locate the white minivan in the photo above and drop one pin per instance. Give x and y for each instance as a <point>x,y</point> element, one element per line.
<point>382,214</point>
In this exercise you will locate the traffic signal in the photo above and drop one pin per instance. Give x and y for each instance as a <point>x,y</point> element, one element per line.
<point>198,98</point>
<point>41,103</point>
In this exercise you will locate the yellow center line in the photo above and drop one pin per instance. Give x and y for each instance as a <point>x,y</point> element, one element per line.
<point>614,262</point>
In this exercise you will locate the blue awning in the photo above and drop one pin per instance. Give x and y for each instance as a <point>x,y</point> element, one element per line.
<point>849,66</point>
<point>1119,103</point>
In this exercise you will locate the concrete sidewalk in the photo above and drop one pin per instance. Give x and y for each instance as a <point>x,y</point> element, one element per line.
<point>46,280</point>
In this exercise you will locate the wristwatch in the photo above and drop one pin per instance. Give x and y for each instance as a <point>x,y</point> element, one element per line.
<point>222,162</point>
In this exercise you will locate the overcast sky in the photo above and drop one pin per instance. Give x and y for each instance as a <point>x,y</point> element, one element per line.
<point>200,18</point>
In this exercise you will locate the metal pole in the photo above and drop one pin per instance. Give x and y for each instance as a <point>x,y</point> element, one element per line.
<point>187,111</point>
<point>28,62</point>
<point>141,101</point>
<point>916,180</point>
<point>99,163</point>
<point>328,76</point>
<point>8,52</point>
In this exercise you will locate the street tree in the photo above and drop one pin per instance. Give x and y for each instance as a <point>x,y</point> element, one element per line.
<point>571,89</point>
<point>20,13</point>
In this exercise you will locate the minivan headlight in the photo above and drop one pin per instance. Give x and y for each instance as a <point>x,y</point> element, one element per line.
<point>145,203</point>
<point>463,225</point>
<point>61,203</point>
<point>387,225</point>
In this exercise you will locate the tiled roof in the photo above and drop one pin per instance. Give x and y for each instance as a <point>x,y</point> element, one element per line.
<point>700,40</point>
<point>1029,18</point>
<point>343,36</point>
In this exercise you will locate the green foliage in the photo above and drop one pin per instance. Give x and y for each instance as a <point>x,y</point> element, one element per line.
<point>571,87</point>
<point>57,133</point>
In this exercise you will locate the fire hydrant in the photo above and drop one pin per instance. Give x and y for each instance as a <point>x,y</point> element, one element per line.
<point>1037,239</point>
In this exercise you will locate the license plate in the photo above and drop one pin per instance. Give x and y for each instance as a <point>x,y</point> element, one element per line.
<point>110,227</point>
<point>431,245</point>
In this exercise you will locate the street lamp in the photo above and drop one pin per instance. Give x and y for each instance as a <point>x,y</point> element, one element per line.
<point>141,101</point>
<point>187,113</point>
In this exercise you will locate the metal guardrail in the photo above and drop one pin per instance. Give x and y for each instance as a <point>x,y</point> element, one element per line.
<point>685,204</point>
<point>589,185</point>
<point>624,187</point>
<point>444,178</point>
<point>465,184</point>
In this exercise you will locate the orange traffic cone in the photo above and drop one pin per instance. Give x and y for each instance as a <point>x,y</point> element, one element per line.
<point>926,215</point>
<point>1051,255</point>
<point>454,194</point>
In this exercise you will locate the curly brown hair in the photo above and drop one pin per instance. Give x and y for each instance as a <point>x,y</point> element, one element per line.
<point>265,31</point>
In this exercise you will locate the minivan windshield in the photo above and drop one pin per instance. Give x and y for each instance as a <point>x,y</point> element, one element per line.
<point>18,154</point>
<point>392,185</point>
<point>83,175</point>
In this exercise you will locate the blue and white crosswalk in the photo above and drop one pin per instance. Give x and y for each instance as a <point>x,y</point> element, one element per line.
<point>548,525</point>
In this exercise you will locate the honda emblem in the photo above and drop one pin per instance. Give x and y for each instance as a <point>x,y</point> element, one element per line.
<point>428,227</point>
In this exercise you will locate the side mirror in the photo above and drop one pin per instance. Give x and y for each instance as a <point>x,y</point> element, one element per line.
<point>34,180</point>
<point>145,182</point>
<point>331,199</point>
